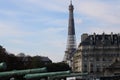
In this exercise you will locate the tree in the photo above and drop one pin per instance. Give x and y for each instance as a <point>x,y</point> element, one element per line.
<point>53,67</point>
<point>3,54</point>
<point>36,62</point>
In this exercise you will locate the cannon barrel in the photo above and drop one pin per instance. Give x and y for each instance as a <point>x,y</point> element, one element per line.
<point>49,74</point>
<point>70,75</point>
<point>3,65</point>
<point>21,72</point>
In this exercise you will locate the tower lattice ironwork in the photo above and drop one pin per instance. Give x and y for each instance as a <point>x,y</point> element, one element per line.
<point>71,40</point>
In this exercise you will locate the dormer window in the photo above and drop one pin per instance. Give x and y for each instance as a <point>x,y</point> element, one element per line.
<point>91,38</point>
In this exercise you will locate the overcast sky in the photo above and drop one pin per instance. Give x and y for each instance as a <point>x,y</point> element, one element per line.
<point>39,27</point>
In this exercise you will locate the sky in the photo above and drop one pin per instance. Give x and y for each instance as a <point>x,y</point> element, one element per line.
<point>39,27</point>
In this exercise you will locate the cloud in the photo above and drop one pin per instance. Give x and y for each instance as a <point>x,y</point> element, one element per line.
<point>12,29</point>
<point>100,10</point>
<point>18,42</point>
<point>107,29</point>
<point>6,29</point>
<point>53,30</point>
<point>36,5</point>
<point>12,13</point>
<point>7,12</point>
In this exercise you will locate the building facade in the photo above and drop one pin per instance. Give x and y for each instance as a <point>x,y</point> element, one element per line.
<point>113,69</point>
<point>95,53</point>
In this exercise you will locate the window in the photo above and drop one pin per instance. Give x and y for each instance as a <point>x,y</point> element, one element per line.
<point>91,68</point>
<point>97,59</point>
<point>91,59</point>
<point>104,59</point>
<point>85,59</point>
<point>98,69</point>
<point>85,68</point>
<point>91,38</point>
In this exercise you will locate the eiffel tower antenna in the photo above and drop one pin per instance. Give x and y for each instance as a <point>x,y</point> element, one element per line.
<point>70,1</point>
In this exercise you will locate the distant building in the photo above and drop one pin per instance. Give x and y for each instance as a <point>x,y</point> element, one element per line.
<point>95,53</point>
<point>25,58</point>
<point>46,60</point>
<point>21,55</point>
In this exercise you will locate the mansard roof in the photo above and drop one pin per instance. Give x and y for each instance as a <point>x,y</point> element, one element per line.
<point>101,40</point>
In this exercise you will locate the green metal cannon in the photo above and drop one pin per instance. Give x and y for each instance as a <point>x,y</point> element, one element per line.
<point>49,74</point>
<point>69,75</point>
<point>3,65</point>
<point>9,74</point>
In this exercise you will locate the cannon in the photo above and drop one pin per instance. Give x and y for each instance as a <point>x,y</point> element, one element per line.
<point>9,74</point>
<point>49,74</point>
<point>69,75</point>
<point>3,65</point>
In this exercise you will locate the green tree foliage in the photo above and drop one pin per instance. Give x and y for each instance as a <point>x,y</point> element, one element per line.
<point>3,54</point>
<point>11,62</point>
<point>36,62</point>
<point>57,67</point>
<point>27,62</point>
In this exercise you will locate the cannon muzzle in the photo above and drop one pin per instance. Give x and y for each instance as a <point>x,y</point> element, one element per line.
<point>3,65</point>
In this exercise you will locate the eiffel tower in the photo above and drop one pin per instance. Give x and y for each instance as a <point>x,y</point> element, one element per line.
<point>71,40</point>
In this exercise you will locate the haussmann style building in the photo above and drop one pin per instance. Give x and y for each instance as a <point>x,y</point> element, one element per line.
<point>95,53</point>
